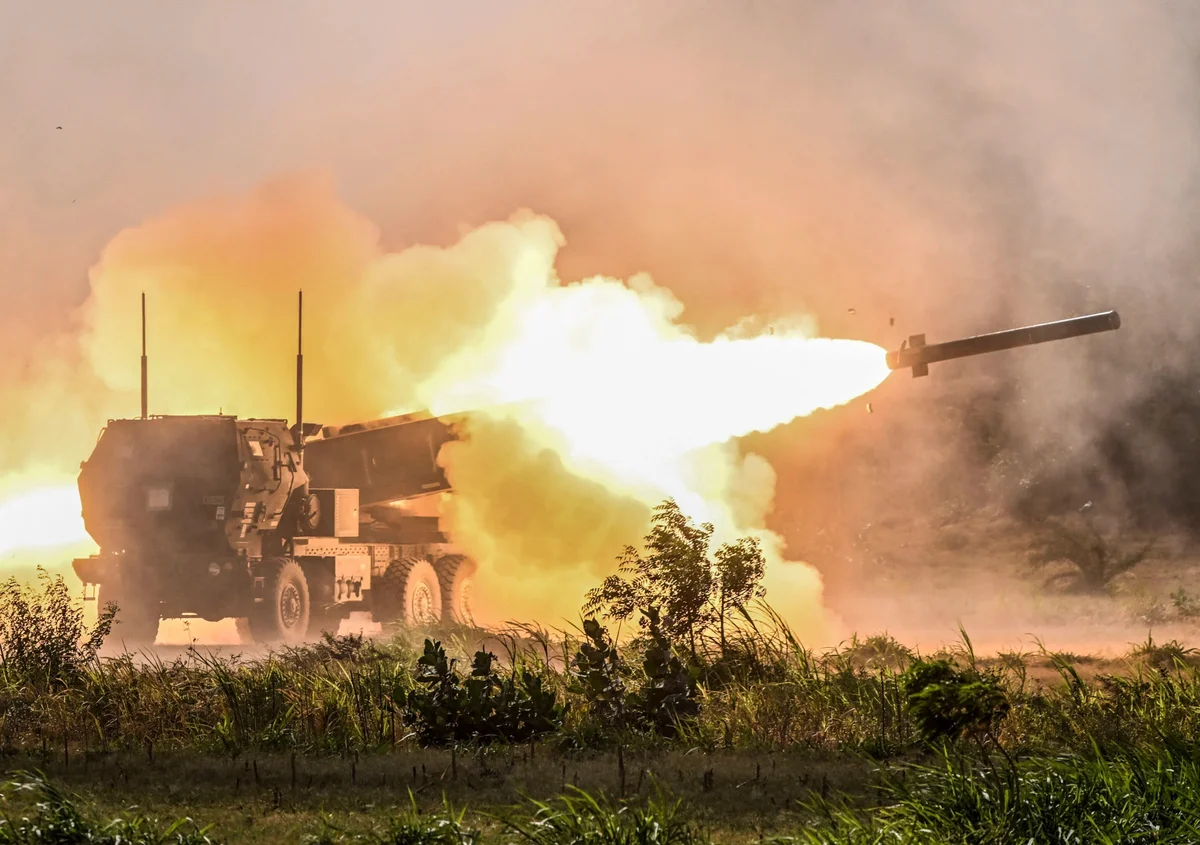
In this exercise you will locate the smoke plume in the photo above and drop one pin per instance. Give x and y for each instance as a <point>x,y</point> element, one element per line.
<point>591,402</point>
<point>933,167</point>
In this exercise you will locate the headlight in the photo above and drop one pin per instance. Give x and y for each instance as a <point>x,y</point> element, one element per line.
<point>214,569</point>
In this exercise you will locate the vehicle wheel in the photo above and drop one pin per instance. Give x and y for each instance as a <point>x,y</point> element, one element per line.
<point>456,574</point>
<point>283,615</point>
<point>136,623</point>
<point>407,592</point>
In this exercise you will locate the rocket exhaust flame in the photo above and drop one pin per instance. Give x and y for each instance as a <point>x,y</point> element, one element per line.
<point>633,417</point>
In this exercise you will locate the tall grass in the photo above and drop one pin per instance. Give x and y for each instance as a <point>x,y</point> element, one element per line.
<point>55,817</point>
<point>1136,795</point>
<point>763,691</point>
<point>578,818</point>
<point>410,828</point>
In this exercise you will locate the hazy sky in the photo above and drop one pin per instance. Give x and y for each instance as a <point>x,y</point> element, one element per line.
<point>749,144</point>
<point>953,165</point>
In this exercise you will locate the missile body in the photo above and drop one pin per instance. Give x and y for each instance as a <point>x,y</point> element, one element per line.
<point>916,354</point>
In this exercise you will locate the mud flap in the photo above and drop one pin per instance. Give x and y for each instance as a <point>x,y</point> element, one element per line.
<point>91,570</point>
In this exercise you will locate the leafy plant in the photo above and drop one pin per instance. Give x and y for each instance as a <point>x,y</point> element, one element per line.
<point>42,634</point>
<point>484,707</point>
<point>948,703</point>
<point>693,592</point>
<point>598,674</point>
<point>670,692</point>
<point>877,652</point>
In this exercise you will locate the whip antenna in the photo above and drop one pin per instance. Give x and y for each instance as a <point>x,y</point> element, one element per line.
<point>300,374</point>
<point>145,385</point>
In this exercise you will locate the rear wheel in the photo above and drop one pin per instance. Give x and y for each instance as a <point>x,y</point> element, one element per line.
<point>137,617</point>
<point>456,574</point>
<point>408,592</point>
<point>283,615</point>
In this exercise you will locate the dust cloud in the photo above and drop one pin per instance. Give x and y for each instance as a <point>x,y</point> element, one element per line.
<point>929,167</point>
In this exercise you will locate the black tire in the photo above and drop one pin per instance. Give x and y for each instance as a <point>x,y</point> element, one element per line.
<point>408,592</point>
<point>138,614</point>
<point>456,574</point>
<point>284,613</point>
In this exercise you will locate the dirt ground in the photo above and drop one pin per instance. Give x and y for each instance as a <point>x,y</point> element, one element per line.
<point>919,580</point>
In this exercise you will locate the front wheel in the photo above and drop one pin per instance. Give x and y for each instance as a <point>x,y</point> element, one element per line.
<point>284,613</point>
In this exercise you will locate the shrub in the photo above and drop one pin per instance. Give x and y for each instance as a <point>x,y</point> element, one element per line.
<point>485,707</point>
<point>947,703</point>
<point>598,674</point>
<point>1097,559</point>
<point>42,634</point>
<point>695,594</point>
<point>670,692</point>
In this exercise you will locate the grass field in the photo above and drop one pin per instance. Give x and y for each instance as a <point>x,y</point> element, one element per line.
<point>573,738</point>
<point>324,743</point>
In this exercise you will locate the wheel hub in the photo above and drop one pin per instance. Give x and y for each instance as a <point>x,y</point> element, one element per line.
<point>290,607</point>
<point>422,605</point>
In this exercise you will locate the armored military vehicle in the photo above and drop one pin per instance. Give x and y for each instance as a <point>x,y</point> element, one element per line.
<point>288,528</point>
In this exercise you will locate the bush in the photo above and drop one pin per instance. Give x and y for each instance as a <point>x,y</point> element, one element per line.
<point>598,674</point>
<point>947,703</point>
<point>697,596</point>
<point>1097,559</point>
<point>483,708</point>
<point>42,635</point>
<point>669,693</point>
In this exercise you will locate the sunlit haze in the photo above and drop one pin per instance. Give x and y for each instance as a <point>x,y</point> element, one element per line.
<point>41,517</point>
